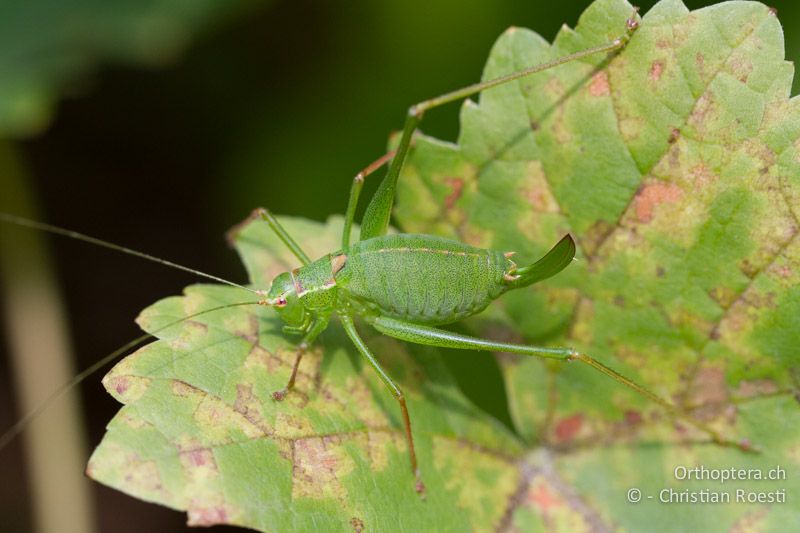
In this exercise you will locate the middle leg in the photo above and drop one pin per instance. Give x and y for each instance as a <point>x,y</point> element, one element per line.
<point>355,192</point>
<point>350,329</point>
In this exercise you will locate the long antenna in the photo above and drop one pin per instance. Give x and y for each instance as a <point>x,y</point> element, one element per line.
<point>26,222</point>
<point>23,422</point>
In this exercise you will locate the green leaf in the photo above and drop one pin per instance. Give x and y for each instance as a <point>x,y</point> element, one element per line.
<point>675,166</point>
<point>200,431</point>
<point>48,45</point>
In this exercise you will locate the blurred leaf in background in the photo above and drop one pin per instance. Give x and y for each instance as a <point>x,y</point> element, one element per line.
<point>46,47</point>
<point>47,51</point>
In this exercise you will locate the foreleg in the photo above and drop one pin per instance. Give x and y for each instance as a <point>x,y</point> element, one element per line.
<point>283,235</point>
<point>317,327</point>
<point>355,192</point>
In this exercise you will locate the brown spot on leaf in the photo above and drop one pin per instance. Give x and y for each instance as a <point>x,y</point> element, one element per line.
<point>132,420</point>
<point>724,296</point>
<point>674,135</point>
<point>656,69</point>
<point>121,385</point>
<point>126,388</point>
<point>709,391</point>
<point>540,198</point>
<point>199,457</point>
<point>319,463</point>
<point>759,300</point>
<point>651,195</point>
<point>784,271</point>
<point>568,428</point>
<point>706,106</point>
<point>139,475</point>
<point>357,523</point>
<point>751,389</point>
<point>181,388</point>
<point>457,188</point>
<point>599,84</point>
<point>749,268</point>
<point>700,61</point>
<point>633,418</point>
<point>317,452</point>
<point>291,427</point>
<point>248,331</point>
<point>554,87</point>
<point>702,175</point>
<point>248,405</point>
<point>741,68</point>
<point>191,332</point>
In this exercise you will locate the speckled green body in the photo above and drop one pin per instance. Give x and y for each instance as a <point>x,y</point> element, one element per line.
<point>421,278</point>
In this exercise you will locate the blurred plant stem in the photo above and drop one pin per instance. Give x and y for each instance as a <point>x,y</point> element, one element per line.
<point>41,360</point>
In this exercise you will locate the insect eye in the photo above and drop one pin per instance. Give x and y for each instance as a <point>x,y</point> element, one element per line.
<point>280,302</point>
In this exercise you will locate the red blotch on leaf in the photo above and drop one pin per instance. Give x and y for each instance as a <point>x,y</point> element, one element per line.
<point>599,85</point>
<point>457,186</point>
<point>542,498</point>
<point>121,385</point>
<point>197,457</point>
<point>784,271</point>
<point>652,195</point>
<point>633,418</point>
<point>568,428</point>
<point>656,69</point>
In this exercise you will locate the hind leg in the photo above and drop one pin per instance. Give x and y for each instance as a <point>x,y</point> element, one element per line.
<point>376,219</point>
<point>431,336</point>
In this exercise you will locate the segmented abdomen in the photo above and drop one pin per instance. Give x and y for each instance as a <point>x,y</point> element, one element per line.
<point>422,278</point>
